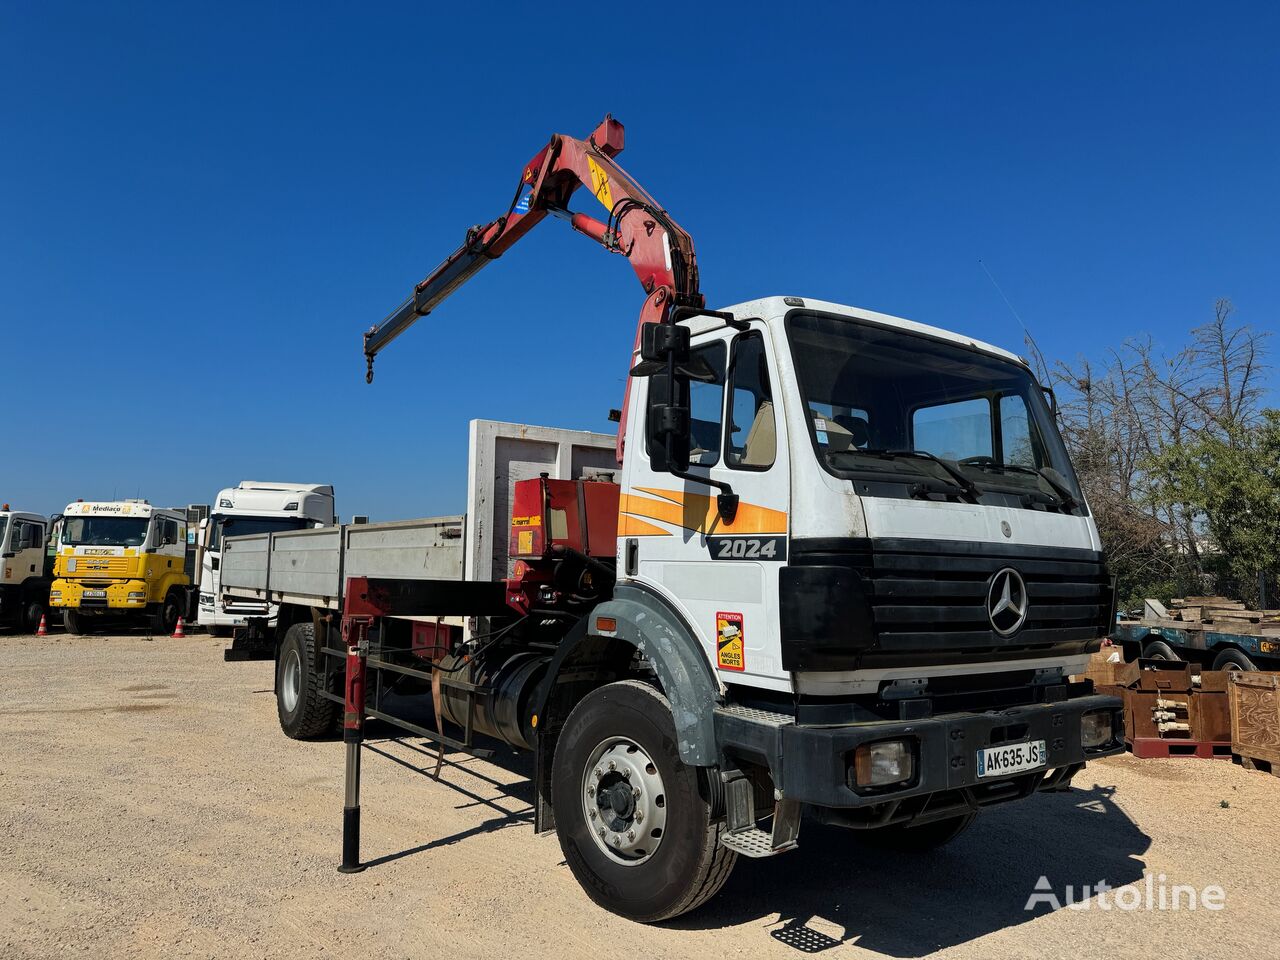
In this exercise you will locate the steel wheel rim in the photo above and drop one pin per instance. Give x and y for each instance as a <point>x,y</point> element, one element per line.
<point>624,801</point>
<point>291,681</point>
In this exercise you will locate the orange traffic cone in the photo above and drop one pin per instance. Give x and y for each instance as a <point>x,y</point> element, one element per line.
<point>177,631</point>
<point>43,629</point>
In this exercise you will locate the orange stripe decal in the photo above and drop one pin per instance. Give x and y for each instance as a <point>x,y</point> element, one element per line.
<point>629,526</point>
<point>698,512</point>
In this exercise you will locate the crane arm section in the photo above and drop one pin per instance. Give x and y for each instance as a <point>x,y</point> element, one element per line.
<point>660,252</point>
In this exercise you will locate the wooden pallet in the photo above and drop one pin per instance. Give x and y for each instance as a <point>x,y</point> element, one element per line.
<point>1152,748</point>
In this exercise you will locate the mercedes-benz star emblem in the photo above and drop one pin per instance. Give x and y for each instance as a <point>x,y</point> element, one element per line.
<point>1007,602</point>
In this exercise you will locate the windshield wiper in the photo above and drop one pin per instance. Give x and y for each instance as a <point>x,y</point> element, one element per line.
<point>1065,497</point>
<point>966,485</point>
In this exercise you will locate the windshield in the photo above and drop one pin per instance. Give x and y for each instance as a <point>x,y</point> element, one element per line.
<point>104,531</point>
<point>224,526</point>
<point>886,405</point>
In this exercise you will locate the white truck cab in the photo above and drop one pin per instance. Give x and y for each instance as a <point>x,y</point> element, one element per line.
<point>253,507</point>
<point>906,508</point>
<point>25,568</point>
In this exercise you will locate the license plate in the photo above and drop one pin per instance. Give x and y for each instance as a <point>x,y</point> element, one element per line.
<point>1011,758</point>
<point>95,594</point>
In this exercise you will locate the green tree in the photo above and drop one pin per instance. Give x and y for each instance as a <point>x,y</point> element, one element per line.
<point>1232,482</point>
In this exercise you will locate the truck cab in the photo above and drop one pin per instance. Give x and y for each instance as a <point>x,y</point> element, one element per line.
<point>253,507</point>
<point>122,559</point>
<point>905,508</point>
<point>25,569</point>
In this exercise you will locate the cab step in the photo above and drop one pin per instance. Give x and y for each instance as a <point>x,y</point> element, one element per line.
<point>755,843</point>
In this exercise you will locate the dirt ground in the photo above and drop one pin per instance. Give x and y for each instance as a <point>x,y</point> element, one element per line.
<point>150,807</point>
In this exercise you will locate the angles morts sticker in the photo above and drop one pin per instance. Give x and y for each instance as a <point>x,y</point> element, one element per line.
<point>731,651</point>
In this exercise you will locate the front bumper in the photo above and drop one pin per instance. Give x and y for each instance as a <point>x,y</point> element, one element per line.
<point>71,593</point>
<point>812,764</point>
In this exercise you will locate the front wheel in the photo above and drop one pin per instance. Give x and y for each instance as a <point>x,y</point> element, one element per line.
<point>635,823</point>
<point>75,622</point>
<point>1159,650</point>
<point>165,620</point>
<point>31,615</point>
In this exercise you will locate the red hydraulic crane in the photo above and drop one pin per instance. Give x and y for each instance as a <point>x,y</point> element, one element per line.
<point>660,252</point>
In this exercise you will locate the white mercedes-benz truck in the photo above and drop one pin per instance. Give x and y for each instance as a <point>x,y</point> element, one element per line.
<point>843,568</point>
<point>253,507</point>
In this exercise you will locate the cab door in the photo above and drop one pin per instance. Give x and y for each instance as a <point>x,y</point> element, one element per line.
<point>722,574</point>
<point>25,557</point>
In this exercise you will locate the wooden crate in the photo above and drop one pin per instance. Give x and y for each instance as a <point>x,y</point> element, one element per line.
<point>1255,715</point>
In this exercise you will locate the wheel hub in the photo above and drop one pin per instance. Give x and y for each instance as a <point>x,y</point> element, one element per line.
<point>291,681</point>
<point>624,800</point>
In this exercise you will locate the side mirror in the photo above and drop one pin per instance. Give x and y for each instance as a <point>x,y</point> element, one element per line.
<point>667,423</point>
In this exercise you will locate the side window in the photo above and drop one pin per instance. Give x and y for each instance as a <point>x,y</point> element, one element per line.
<point>706,407</point>
<point>1016,433</point>
<point>954,431</point>
<point>752,437</point>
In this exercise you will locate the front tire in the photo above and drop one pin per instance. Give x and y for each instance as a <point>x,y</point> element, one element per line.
<point>617,757</point>
<point>1159,650</point>
<point>75,622</point>
<point>165,620</point>
<point>31,615</point>
<point>304,712</point>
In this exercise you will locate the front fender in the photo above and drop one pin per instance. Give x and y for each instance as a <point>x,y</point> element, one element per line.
<point>646,624</point>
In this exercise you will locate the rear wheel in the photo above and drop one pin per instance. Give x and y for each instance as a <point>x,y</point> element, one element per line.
<point>1234,660</point>
<point>1159,650</point>
<point>917,839</point>
<point>75,622</point>
<point>635,823</point>
<point>304,711</point>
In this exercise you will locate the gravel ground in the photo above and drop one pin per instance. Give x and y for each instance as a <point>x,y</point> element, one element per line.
<point>150,807</point>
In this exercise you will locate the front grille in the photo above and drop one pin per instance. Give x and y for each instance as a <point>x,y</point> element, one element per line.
<point>929,597</point>
<point>103,566</point>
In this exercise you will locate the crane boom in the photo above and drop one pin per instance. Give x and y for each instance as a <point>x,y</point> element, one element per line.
<point>660,252</point>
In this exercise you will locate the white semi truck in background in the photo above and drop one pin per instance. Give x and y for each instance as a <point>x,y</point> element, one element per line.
<point>26,569</point>
<point>253,507</point>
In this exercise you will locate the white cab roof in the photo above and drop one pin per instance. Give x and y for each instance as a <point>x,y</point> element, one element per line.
<point>769,308</point>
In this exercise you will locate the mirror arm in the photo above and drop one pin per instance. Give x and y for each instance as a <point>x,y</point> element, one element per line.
<point>726,500</point>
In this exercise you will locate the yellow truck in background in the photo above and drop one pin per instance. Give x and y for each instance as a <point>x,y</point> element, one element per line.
<point>122,560</point>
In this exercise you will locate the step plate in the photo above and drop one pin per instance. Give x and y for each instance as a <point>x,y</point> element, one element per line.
<point>755,843</point>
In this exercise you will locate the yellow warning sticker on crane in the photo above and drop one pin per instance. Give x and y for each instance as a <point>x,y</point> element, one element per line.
<point>731,653</point>
<point>600,184</point>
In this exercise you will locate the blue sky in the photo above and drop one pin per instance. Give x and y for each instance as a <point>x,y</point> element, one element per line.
<point>203,206</point>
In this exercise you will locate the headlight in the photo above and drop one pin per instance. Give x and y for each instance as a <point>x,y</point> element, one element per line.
<point>1095,728</point>
<point>55,594</point>
<point>137,594</point>
<point>883,763</point>
<point>206,599</point>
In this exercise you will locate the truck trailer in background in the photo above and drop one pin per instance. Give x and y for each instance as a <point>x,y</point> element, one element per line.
<point>253,507</point>
<point>26,569</point>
